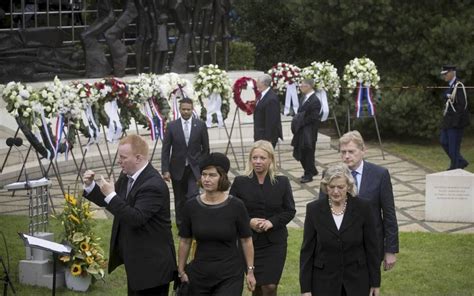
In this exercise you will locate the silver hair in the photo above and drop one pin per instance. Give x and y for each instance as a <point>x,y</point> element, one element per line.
<point>308,81</point>
<point>339,170</point>
<point>265,79</point>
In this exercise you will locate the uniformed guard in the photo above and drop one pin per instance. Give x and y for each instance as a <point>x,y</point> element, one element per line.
<point>455,117</point>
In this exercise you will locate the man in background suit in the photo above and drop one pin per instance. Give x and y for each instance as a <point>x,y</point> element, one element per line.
<point>455,119</point>
<point>266,116</point>
<point>373,184</point>
<point>305,126</point>
<point>186,141</point>
<point>141,232</point>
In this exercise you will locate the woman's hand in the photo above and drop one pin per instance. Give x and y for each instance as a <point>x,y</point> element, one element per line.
<point>374,291</point>
<point>255,224</point>
<point>183,277</point>
<point>306,294</point>
<point>266,225</point>
<point>251,282</point>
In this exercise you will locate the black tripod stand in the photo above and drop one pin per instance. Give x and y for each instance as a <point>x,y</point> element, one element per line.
<point>6,279</point>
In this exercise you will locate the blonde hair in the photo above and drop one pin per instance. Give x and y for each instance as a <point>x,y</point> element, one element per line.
<point>352,136</point>
<point>339,170</point>
<point>138,145</point>
<point>268,148</point>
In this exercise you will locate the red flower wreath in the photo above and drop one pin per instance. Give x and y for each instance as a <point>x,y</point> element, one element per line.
<point>240,84</point>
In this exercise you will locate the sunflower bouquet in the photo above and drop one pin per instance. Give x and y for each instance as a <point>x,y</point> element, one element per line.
<point>87,256</point>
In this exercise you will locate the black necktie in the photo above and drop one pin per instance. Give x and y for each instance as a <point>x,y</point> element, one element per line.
<point>129,184</point>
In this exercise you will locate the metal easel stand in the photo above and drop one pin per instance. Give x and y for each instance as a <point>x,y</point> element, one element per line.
<point>376,128</point>
<point>229,138</point>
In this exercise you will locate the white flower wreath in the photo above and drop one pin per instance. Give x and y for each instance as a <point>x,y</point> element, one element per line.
<point>213,84</point>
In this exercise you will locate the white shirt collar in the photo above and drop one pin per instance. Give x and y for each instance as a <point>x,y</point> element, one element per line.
<point>264,92</point>
<point>190,120</point>
<point>137,173</point>
<point>360,168</point>
<point>309,95</point>
<point>452,81</point>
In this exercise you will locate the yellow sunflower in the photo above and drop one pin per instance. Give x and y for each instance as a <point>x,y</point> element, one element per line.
<point>89,260</point>
<point>74,219</point>
<point>84,246</point>
<point>70,199</point>
<point>76,269</point>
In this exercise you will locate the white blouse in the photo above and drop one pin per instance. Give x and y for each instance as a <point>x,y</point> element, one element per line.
<point>338,220</point>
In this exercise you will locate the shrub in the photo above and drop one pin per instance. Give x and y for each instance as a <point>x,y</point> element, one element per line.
<point>241,55</point>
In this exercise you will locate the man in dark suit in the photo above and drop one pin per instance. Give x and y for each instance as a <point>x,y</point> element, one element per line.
<point>266,116</point>
<point>141,233</point>
<point>455,119</point>
<point>305,126</point>
<point>373,184</point>
<point>186,142</point>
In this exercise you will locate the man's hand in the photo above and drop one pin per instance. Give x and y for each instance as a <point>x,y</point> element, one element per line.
<point>167,176</point>
<point>105,187</point>
<point>389,261</point>
<point>88,177</point>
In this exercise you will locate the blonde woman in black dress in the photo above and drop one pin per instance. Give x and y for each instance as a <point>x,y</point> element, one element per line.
<point>269,201</point>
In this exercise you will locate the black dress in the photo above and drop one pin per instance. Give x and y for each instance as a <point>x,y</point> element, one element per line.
<point>273,202</point>
<point>216,268</point>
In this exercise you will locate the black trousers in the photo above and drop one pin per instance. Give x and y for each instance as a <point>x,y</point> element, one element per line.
<point>155,291</point>
<point>183,190</point>
<point>307,161</point>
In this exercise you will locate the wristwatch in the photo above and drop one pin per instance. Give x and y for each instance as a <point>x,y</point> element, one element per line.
<point>251,268</point>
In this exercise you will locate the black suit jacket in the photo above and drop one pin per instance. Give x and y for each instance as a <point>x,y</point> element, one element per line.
<point>141,232</point>
<point>376,188</point>
<point>305,125</point>
<point>331,258</point>
<point>267,119</point>
<point>459,116</point>
<point>175,151</point>
<point>273,202</point>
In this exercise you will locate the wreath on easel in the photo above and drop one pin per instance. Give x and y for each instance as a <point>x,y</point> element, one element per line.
<point>241,83</point>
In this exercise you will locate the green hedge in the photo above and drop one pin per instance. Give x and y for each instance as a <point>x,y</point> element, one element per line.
<point>241,56</point>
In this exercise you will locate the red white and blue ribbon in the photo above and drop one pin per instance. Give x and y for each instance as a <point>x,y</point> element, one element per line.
<point>49,138</point>
<point>59,133</point>
<point>158,119</point>
<point>364,95</point>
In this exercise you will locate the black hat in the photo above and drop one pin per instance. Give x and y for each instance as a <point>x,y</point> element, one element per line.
<point>215,159</point>
<point>447,68</point>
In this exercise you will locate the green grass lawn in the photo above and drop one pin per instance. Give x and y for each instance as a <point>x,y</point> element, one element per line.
<point>430,154</point>
<point>428,264</point>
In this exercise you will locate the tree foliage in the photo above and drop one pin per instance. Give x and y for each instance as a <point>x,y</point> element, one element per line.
<point>408,40</point>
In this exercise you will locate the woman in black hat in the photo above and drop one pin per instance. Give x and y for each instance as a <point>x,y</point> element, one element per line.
<point>216,220</point>
<point>269,200</point>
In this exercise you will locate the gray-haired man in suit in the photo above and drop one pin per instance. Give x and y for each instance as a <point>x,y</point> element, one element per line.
<point>186,141</point>
<point>373,184</point>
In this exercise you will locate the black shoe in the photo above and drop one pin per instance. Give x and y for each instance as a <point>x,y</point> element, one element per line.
<point>305,180</point>
<point>315,174</point>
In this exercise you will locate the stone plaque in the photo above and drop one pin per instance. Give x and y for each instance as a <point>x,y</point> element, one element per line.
<point>449,196</point>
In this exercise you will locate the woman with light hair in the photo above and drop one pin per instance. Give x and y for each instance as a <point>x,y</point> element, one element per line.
<point>339,254</point>
<point>269,201</point>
